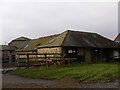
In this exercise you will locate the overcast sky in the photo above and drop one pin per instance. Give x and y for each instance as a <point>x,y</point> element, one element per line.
<point>38,19</point>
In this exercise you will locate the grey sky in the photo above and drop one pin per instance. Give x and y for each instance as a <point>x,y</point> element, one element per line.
<point>38,19</point>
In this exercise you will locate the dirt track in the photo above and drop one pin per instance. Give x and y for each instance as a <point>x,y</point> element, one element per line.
<point>14,81</point>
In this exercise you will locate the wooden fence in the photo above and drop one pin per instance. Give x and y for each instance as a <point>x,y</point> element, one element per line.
<point>45,59</point>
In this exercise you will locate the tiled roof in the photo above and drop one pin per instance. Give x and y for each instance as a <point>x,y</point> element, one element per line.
<point>86,39</point>
<point>21,39</point>
<point>73,39</point>
<point>56,41</point>
<point>20,42</point>
<point>33,44</point>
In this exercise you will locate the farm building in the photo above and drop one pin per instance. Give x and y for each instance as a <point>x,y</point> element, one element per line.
<point>19,43</point>
<point>31,46</point>
<point>7,53</point>
<point>73,45</point>
<point>88,47</point>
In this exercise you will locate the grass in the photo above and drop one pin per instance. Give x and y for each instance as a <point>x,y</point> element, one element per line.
<point>81,72</point>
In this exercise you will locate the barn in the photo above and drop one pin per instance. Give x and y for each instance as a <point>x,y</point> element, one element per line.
<point>75,46</point>
<point>84,46</point>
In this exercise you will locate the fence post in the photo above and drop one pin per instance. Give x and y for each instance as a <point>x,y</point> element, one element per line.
<point>45,55</point>
<point>18,60</point>
<point>27,60</point>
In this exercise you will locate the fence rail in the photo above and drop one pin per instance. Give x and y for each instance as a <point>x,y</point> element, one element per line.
<point>42,59</point>
<point>40,54</point>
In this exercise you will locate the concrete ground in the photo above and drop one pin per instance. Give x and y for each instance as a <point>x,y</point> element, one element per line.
<point>14,81</point>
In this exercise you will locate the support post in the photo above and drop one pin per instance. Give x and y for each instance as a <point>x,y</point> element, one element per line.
<point>27,60</point>
<point>101,55</point>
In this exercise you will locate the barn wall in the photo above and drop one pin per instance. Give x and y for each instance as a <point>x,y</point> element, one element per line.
<point>81,51</point>
<point>109,54</point>
<point>88,55</point>
<point>83,54</point>
<point>63,50</point>
<point>50,50</point>
<point>20,56</point>
<point>24,56</point>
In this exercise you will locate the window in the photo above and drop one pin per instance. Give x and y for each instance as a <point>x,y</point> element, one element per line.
<point>71,51</point>
<point>95,50</point>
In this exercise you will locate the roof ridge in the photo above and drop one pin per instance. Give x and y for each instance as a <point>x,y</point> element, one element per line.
<point>104,37</point>
<point>21,39</point>
<point>48,36</point>
<point>80,31</point>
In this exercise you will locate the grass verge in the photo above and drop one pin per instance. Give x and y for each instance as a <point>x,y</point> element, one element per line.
<point>81,72</point>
